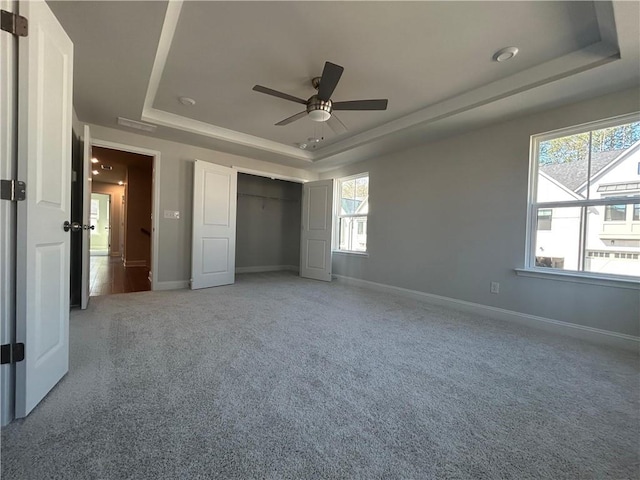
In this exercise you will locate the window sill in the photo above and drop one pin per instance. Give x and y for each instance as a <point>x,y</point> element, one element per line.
<point>578,277</point>
<point>348,252</point>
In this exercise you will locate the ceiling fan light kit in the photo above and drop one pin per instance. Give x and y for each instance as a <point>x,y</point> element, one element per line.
<point>319,110</point>
<point>320,107</point>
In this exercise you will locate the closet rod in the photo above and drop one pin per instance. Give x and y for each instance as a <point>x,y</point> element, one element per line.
<point>264,196</point>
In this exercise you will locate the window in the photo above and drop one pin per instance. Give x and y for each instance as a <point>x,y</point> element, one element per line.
<point>615,213</point>
<point>581,197</point>
<point>352,208</point>
<point>544,218</point>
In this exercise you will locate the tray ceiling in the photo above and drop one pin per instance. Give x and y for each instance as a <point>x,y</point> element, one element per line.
<point>432,60</point>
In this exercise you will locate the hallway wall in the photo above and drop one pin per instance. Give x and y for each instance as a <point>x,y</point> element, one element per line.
<point>137,250</point>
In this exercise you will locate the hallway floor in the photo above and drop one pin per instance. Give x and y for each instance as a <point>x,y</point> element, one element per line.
<point>109,275</point>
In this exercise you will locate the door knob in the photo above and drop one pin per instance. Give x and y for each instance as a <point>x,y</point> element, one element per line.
<point>74,227</point>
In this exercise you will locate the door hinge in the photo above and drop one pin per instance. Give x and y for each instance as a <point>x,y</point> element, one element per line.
<point>12,353</point>
<point>14,24</point>
<point>12,190</point>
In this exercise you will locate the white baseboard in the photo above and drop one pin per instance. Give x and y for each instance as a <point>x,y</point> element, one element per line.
<point>267,268</point>
<point>605,337</point>
<point>135,263</point>
<point>172,285</point>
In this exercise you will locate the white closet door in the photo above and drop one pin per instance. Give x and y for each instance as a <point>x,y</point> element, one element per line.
<point>213,256</point>
<point>315,248</point>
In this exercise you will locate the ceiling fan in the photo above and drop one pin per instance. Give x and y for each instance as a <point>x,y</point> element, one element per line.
<point>320,107</point>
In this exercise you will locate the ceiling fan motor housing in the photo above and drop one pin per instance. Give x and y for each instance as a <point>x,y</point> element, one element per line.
<point>319,110</point>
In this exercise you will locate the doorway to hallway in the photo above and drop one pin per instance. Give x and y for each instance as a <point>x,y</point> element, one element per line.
<point>121,210</point>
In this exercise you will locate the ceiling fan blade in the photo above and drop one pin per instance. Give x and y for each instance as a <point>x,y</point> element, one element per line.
<point>380,104</point>
<point>329,80</point>
<point>336,125</point>
<point>275,93</point>
<point>292,118</point>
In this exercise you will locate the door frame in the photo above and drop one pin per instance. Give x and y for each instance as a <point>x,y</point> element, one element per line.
<point>108,195</point>
<point>155,197</point>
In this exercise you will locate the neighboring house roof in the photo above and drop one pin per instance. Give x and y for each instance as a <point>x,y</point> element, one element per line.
<point>573,174</point>
<point>561,186</point>
<point>622,157</point>
<point>350,205</point>
<point>619,187</point>
<point>363,205</point>
<point>354,206</point>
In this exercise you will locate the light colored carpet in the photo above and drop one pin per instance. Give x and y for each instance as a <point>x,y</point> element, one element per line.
<point>279,377</point>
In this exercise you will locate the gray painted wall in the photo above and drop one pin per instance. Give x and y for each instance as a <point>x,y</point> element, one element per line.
<point>449,217</point>
<point>268,222</point>
<point>176,191</point>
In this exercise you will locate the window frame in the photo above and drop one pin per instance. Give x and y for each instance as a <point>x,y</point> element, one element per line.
<point>533,205</point>
<point>337,216</point>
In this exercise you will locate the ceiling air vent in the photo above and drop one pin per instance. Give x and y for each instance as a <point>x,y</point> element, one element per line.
<point>147,127</point>
<point>106,167</point>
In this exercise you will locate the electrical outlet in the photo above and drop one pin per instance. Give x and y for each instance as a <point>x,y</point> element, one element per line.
<point>495,287</point>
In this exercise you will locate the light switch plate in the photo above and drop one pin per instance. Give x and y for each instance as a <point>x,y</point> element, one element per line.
<point>172,214</point>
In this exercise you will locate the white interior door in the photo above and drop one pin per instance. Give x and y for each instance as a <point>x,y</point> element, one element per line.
<point>213,257</point>
<point>315,248</point>
<point>86,213</point>
<point>45,65</point>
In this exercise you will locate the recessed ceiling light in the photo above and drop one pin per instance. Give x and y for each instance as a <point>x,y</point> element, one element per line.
<point>190,102</point>
<point>94,160</point>
<point>120,182</point>
<point>504,54</point>
<point>96,172</point>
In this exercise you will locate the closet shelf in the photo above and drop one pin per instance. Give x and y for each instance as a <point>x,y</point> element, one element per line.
<point>266,197</point>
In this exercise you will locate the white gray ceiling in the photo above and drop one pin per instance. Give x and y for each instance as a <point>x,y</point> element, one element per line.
<point>432,60</point>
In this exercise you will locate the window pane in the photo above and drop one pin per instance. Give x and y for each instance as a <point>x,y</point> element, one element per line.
<point>613,162</point>
<point>563,165</point>
<point>545,216</point>
<point>353,234</point>
<point>362,187</point>
<point>636,212</point>
<point>611,247</point>
<point>559,246</point>
<point>615,213</point>
<point>362,195</point>
<point>348,202</point>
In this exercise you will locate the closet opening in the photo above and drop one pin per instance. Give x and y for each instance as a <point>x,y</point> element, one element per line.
<point>268,224</point>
